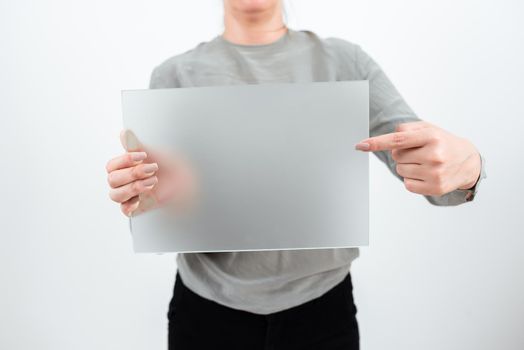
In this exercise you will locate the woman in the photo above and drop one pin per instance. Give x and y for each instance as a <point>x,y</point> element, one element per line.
<point>288,299</point>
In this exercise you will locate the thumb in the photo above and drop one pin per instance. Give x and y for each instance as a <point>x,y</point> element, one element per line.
<point>130,142</point>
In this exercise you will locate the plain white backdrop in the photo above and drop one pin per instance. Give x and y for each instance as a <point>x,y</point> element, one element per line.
<point>432,278</point>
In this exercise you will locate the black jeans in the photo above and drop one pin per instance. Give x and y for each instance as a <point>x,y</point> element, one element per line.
<point>325,323</point>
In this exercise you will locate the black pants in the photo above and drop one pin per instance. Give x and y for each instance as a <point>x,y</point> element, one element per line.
<point>325,323</point>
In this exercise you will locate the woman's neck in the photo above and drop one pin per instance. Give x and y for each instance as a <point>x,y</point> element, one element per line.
<point>254,28</point>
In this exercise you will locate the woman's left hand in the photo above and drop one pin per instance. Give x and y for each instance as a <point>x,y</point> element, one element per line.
<point>431,160</point>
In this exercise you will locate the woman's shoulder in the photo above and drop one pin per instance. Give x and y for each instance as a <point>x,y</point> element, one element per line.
<point>164,75</point>
<point>344,54</point>
<point>333,43</point>
<point>342,50</point>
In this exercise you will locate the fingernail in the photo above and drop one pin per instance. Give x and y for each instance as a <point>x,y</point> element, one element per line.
<point>150,168</point>
<point>131,140</point>
<point>138,156</point>
<point>362,146</point>
<point>149,182</point>
<point>147,202</point>
<point>133,208</point>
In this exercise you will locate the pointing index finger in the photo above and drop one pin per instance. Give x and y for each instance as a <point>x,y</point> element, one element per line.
<point>394,140</point>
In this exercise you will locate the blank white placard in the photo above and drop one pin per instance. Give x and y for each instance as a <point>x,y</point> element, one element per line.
<point>275,163</point>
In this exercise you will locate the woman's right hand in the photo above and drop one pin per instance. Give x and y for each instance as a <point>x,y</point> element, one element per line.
<point>129,176</point>
<point>143,179</point>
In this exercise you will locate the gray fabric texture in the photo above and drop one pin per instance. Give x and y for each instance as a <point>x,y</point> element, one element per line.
<point>270,281</point>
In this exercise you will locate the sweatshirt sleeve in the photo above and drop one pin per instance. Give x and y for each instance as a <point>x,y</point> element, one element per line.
<point>387,109</point>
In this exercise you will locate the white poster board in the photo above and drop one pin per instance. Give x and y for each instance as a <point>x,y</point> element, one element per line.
<point>274,165</point>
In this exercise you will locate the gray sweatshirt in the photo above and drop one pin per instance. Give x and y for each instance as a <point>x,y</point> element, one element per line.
<point>270,281</point>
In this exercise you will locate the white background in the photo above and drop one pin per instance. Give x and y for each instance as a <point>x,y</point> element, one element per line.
<point>432,278</point>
